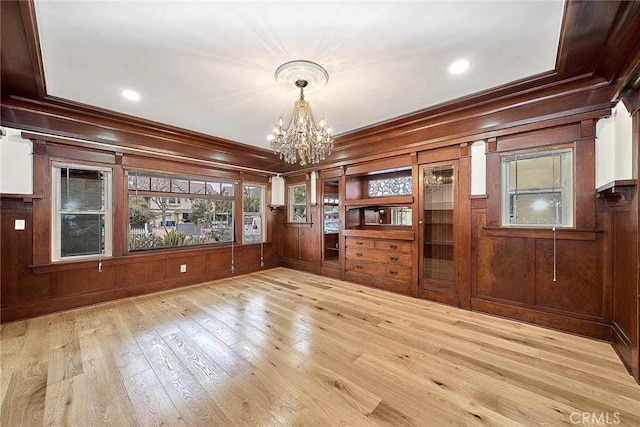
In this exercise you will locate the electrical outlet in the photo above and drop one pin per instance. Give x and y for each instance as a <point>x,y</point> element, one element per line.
<point>183,268</point>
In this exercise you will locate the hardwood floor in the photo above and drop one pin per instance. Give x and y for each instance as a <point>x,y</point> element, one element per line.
<point>286,348</point>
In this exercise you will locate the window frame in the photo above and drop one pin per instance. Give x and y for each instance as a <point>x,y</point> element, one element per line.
<point>292,203</point>
<point>57,211</point>
<point>566,189</point>
<point>209,186</point>
<point>245,214</point>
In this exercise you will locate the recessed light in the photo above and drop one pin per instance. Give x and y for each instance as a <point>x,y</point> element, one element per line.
<point>131,95</point>
<point>459,66</point>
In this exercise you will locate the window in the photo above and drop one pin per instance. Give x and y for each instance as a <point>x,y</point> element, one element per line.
<point>399,186</point>
<point>81,212</point>
<point>537,189</point>
<point>253,213</point>
<point>298,203</point>
<point>159,218</point>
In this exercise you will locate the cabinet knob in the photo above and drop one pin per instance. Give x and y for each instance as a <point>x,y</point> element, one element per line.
<point>358,243</point>
<point>393,246</point>
<point>393,259</point>
<point>358,254</point>
<point>393,272</point>
<point>359,267</point>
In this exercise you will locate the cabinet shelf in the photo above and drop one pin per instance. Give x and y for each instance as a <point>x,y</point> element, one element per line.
<point>379,201</point>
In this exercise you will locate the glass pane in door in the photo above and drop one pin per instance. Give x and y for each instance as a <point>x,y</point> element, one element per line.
<point>438,224</point>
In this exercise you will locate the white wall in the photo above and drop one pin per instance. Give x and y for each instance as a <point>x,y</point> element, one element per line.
<point>613,147</point>
<point>16,163</point>
<point>478,168</point>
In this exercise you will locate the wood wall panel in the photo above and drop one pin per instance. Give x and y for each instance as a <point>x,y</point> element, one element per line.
<point>501,268</point>
<point>79,281</point>
<point>148,271</point>
<point>195,264</point>
<point>578,288</point>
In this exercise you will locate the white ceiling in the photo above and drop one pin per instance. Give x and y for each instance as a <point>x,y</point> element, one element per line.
<point>209,66</point>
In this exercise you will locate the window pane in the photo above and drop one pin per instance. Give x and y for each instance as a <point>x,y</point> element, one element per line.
<point>81,189</point>
<point>252,198</point>
<point>142,183</point>
<point>156,223</point>
<point>390,187</point>
<point>299,213</point>
<point>197,187</point>
<point>160,184</point>
<point>537,208</point>
<point>81,234</point>
<point>535,173</point>
<point>227,189</point>
<point>213,188</point>
<point>300,194</point>
<point>179,186</point>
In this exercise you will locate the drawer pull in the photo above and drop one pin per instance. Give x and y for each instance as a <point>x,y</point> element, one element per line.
<point>393,246</point>
<point>393,259</point>
<point>359,267</point>
<point>359,243</point>
<point>393,273</point>
<point>358,253</point>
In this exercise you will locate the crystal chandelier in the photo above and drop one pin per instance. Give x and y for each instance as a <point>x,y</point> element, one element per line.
<point>303,139</point>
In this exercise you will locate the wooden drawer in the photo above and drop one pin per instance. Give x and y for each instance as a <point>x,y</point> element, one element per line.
<point>393,245</point>
<point>380,270</point>
<point>385,257</point>
<point>397,272</point>
<point>357,242</point>
<point>363,267</point>
<point>381,283</point>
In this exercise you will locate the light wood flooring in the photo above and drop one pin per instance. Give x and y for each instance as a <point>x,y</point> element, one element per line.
<point>285,348</point>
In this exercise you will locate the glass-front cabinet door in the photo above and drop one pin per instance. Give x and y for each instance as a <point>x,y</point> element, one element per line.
<point>330,222</point>
<point>438,221</point>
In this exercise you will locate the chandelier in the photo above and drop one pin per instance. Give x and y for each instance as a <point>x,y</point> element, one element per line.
<point>303,139</point>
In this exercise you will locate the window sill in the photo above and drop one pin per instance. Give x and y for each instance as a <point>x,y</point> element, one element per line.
<point>542,233</point>
<point>130,257</point>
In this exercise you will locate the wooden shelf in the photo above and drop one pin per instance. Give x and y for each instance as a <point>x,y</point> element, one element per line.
<point>380,234</point>
<point>379,201</point>
<point>613,190</point>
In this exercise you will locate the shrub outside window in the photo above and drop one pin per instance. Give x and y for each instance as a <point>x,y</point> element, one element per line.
<point>298,203</point>
<point>177,211</point>
<point>537,189</point>
<point>253,213</point>
<point>82,212</point>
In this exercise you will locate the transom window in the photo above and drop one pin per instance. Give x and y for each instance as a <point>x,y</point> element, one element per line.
<point>166,211</point>
<point>537,189</point>
<point>82,212</point>
<point>398,186</point>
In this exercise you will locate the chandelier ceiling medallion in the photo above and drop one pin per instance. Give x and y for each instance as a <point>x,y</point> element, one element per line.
<point>303,140</point>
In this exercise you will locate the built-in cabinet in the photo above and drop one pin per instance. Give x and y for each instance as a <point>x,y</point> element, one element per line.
<point>382,259</point>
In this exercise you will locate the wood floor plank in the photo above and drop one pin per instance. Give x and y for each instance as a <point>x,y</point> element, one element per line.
<point>24,402</point>
<point>286,348</point>
<point>66,403</point>
<point>151,404</point>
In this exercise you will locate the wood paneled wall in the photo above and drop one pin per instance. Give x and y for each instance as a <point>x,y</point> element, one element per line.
<point>31,285</point>
<point>513,268</point>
